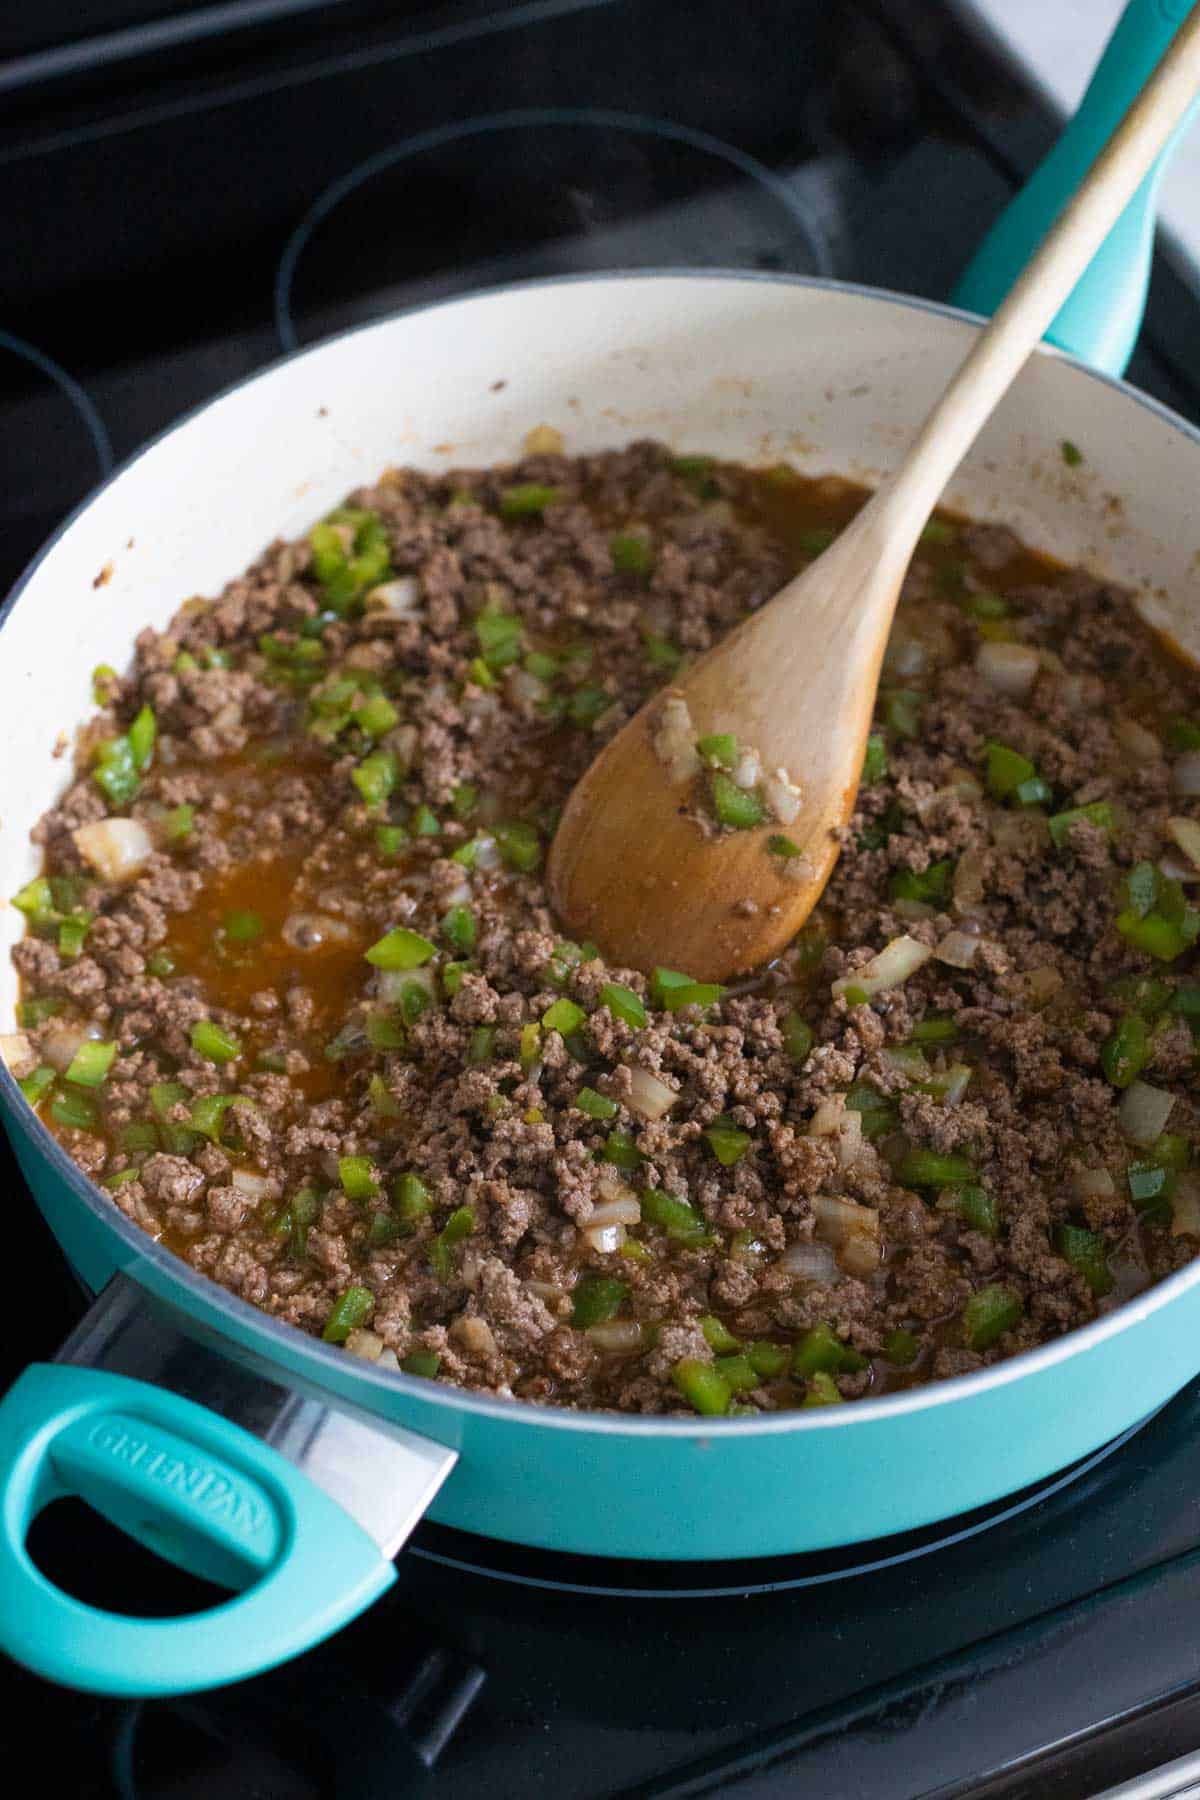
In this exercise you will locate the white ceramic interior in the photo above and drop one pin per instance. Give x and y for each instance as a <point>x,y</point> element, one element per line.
<point>759,369</point>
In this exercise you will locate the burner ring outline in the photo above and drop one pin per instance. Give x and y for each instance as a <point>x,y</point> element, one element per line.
<point>73,390</point>
<point>605,118</point>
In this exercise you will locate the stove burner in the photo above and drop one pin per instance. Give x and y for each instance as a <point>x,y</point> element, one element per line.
<point>564,1573</point>
<point>553,190</point>
<point>53,447</point>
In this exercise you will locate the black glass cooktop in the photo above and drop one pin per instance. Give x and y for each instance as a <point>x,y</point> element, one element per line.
<point>191,190</point>
<point>192,194</point>
<point>1041,1647</point>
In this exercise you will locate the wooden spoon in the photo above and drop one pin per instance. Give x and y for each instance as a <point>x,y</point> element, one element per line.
<point>631,867</point>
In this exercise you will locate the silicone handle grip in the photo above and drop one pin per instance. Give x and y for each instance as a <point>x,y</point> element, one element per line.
<point>1101,320</point>
<point>194,1488</point>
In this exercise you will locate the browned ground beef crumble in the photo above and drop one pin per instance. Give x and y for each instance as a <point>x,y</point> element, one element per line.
<point>478,1098</point>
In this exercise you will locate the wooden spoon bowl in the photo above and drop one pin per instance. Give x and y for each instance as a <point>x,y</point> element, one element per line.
<point>630,866</point>
<point>638,863</point>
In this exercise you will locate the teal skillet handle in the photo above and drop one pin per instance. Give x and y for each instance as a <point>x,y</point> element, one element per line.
<point>200,1491</point>
<point>1101,320</point>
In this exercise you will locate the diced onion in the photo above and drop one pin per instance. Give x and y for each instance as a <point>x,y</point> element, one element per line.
<point>392,983</point>
<point>469,1268</point>
<point>61,1040</point>
<point>859,1254</point>
<point>955,1083</point>
<point>1185,1205</point>
<point>612,1184</point>
<point>1144,1111</point>
<point>748,772</point>
<point>827,1119</point>
<point>852,1146</point>
<point>1186,833</point>
<point>367,1344</point>
<point>116,848</point>
<point>543,440</point>
<point>649,1097</point>
<point>604,1239</point>
<point>487,854</point>
<point>1093,1184</point>
<point>387,1359</point>
<point>833,1118</point>
<point>548,1291</point>
<point>893,965</point>
<point>1185,773</point>
<point>837,1218</point>
<point>811,1262</point>
<point>1008,668</point>
<point>783,797</point>
<point>474,1335</point>
<point>675,740</point>
<point>958,949</point>
<point>256,1187</point>
<point>17,1053</point>
<point>616,1335</point>
<point>622,1209</point>
<point>400,597</point>
<point>961,786</point>
<point>1136,741</point>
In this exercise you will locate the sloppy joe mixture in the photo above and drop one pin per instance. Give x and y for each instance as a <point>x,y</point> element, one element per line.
<point>293,994</point>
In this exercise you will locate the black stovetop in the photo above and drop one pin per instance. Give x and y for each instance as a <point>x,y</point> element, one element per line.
<point>1041,1649</point>
<point>191,190</point>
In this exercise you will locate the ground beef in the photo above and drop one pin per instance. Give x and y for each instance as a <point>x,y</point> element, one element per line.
<point>444,1157</point>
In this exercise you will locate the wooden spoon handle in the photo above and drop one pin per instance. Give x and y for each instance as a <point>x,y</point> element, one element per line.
<point>904,501</point>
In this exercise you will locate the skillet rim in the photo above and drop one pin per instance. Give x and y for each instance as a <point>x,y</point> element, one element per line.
<point>210,1296</point>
